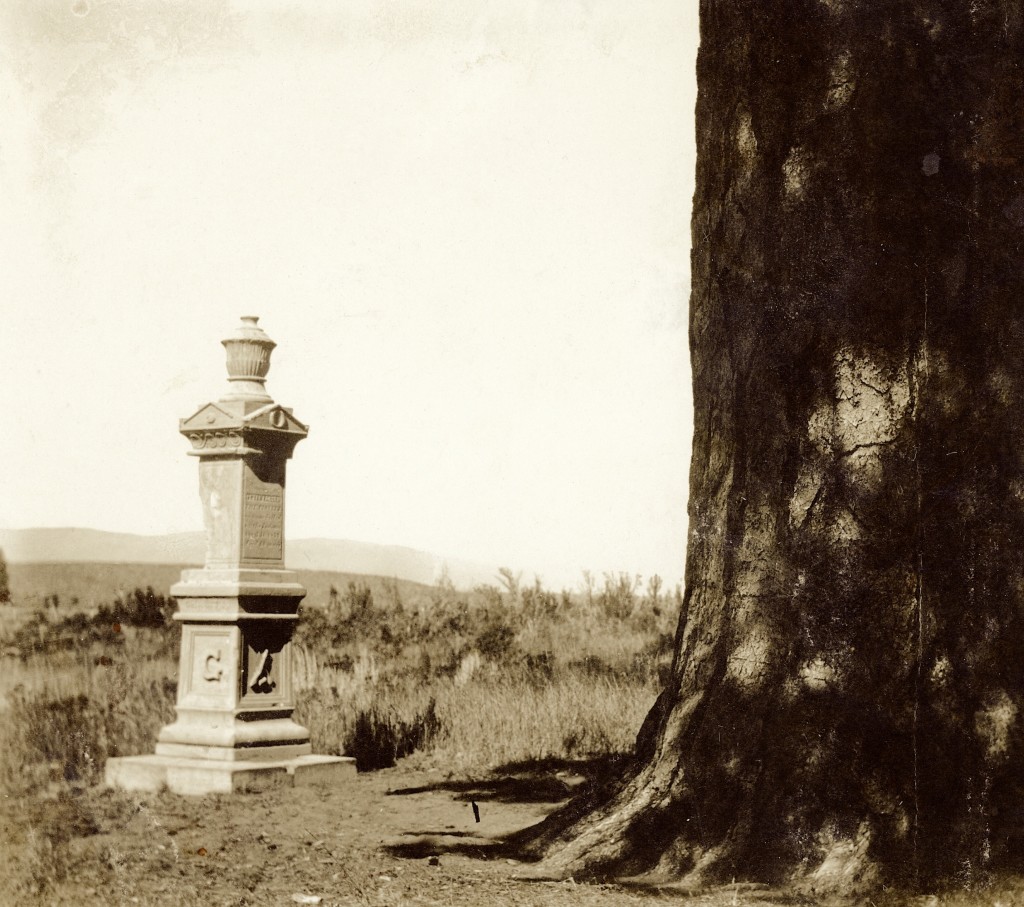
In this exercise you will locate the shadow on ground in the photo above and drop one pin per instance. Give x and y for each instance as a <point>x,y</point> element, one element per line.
<point>544,784</point>
<point>537,781</point>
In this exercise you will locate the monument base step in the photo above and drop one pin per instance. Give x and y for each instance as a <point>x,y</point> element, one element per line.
<point>197,777</point>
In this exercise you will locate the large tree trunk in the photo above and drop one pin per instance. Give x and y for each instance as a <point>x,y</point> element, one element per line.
<point>845,701</point>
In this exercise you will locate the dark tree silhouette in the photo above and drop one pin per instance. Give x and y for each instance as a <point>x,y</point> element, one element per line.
<point>5,584</point>
<point>844,707</point>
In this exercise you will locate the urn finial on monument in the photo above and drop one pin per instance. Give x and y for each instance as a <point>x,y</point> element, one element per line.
<point>234,728</point>
<point>248,361</point>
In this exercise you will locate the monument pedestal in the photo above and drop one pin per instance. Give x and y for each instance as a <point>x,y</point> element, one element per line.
<point>234,729</point>
<point>199,777</point>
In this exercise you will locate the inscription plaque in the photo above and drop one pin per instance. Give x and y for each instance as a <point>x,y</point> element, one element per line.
<point>262,520</point>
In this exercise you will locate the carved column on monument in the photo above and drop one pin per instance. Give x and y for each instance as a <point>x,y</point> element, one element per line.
<point>234,727</point>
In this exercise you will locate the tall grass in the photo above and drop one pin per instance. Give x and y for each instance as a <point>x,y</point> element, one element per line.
<point>486,714</point>
<point>502,719</point>
<point>479,679</point>
<point>63,725</point>
<point>362,711</point>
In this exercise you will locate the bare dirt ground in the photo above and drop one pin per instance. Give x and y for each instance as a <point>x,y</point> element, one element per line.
<point>407,835</point>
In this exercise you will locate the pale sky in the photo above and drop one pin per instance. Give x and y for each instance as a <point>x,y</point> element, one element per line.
<point>464,222</point>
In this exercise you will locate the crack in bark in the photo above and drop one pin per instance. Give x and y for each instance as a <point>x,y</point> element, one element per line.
<point>916,391</point>
<point>867,445</point>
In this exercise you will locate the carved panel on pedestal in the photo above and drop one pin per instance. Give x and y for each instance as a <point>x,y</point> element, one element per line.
<point>266,668</point>
<point>209,666</point>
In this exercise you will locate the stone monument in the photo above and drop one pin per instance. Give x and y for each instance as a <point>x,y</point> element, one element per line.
<point>234,729</point>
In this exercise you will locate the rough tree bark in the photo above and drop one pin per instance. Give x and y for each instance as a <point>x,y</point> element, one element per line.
<point>845,700</point>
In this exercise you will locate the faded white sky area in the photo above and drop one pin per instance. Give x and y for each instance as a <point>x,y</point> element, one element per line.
<point>465,223</point>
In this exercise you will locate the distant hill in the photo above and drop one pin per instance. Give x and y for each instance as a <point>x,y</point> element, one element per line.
<point>84,585</point>
<point>92,546</point>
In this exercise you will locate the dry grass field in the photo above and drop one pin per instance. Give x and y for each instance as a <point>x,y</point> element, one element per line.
<point>511,697</point>
<point>385,671</point>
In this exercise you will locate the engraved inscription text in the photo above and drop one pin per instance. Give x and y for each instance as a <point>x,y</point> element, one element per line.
<point>262,520</point>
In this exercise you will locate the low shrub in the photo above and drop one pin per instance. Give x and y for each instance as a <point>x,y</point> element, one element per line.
<point>381,737</point>
<point>43,634</point>
<point>139,608</point>
<point>65,727</point>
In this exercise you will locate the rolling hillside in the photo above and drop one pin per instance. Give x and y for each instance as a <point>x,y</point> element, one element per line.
<point>94,547</point>
<point>84,585</point>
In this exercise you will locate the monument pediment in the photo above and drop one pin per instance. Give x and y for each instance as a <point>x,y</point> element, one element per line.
<point>275,418</point>
<point>209,417</point>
